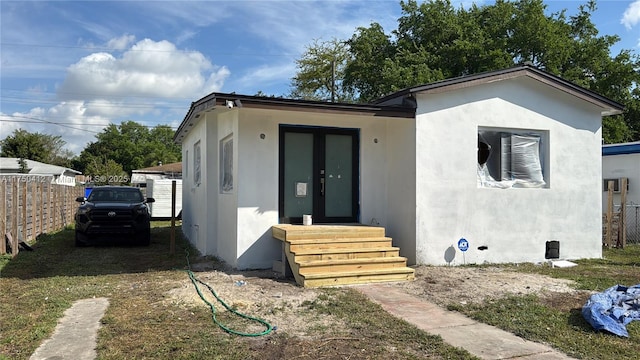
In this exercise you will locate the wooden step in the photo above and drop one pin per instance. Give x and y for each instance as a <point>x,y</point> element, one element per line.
<point>339,243</point>
<point>346,253</point>
<point>357,277</point>
<point>348,265</point>
<point>287,232</point>
<point>330,255</point>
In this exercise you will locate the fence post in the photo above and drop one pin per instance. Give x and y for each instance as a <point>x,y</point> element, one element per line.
<point>172,246</point>
<point>622,227</point>
<point>609,230</point>
<point>14,218</point>
<point>49,206</point>
<point>24,211</point>
<point>3,216</point>
<point>34,206</point>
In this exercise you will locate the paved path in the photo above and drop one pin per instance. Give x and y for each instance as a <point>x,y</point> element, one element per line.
<point>76,333</point>
<point>481,340</point>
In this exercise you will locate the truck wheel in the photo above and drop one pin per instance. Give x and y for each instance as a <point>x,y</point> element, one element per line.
<point>79,242</point>
<point>144,238</point>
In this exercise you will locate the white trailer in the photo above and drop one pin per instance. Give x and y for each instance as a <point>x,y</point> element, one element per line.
<point>160,190</point>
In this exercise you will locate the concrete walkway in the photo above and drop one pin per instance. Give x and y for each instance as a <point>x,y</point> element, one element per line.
<point>481,340</point>
<point>76,334</point>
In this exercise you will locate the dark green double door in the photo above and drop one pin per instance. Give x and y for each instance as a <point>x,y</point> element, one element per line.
<point>319,174</point>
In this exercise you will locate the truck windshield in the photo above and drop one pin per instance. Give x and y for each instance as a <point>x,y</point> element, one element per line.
<point>131,196</point>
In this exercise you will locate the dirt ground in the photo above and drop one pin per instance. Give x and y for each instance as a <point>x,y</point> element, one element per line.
<point>281,302</point>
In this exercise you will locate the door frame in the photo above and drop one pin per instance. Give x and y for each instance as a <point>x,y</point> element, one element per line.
<point>319,133</point>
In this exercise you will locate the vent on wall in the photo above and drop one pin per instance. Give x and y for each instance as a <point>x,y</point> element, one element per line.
<point>616,185</point>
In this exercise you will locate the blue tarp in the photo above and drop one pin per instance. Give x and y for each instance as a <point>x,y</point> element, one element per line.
<point>614,308</point>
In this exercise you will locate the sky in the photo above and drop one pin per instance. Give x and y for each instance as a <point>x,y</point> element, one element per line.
<point>69,68</point>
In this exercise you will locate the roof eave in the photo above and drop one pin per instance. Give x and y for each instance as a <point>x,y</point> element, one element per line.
<point>608,106</point>
<point>226,102</point>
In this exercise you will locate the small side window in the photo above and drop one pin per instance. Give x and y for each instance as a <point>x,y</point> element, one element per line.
<point>196,163</point>
<point>226,164</point>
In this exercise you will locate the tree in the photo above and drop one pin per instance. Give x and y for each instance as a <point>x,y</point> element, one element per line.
<point>103,171</point>
<point>132,146</point>
<point>44,148</point>
<point>320,73</point>
<point>435,41</point>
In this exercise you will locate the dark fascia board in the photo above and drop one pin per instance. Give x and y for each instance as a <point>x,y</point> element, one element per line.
<point>621,149</point>
<point>609,106</point>
<point>217,101</point>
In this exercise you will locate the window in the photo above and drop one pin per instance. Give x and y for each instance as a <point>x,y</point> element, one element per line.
<point>226,164</point>
<point>512,158</point>
<point>186,164</point>
<point>196,163</point>
<point>616,185</point>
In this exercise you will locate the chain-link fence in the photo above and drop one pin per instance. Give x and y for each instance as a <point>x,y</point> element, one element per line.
<point>632,222</point>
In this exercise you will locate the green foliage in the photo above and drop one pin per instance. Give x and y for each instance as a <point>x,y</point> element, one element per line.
<point>320,73</point>
<point>129,145</point>
<point>435,41</point>
<point>45,148</point>
<point>103,171</point>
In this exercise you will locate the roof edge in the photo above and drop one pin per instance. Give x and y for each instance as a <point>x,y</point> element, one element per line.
<point>610,107</point>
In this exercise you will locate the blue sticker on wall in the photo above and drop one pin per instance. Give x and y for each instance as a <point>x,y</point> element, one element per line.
<point>463,244</point>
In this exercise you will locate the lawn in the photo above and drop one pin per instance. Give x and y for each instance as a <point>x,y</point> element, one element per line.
<point>37,287</point>
<point>557,320</point>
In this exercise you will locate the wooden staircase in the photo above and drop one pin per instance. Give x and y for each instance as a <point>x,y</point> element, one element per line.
<point>328,255</point>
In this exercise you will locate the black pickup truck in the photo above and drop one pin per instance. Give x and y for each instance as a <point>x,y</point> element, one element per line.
<point>111,214</point>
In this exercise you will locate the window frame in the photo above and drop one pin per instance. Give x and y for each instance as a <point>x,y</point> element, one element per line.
<point>197,163</point>
<point>494,174</point>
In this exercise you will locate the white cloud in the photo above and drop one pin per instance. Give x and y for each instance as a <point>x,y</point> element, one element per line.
<point>121,43</point>
<point>67,120</point>
<point>149,80</point>
<point>631,16</point>
<point>148,68</point>
<point>264,75</point>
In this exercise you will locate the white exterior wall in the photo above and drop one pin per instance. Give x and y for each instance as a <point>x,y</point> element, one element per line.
<point>199,209</point>
<point>400,182</point>
<point>257,176</point>
<point>514,224</point>
<point>619,166</point>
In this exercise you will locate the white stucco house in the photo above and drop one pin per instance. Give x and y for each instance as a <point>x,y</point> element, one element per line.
<point>60,175</point>
<point>507,160</point>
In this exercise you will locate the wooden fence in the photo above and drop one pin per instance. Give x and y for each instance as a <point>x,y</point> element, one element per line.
<point>31,205</point>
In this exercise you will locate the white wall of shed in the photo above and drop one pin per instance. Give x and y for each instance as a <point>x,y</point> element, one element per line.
<point>621,166</point>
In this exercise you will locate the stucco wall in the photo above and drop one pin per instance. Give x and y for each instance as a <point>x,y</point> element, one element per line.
<point>619,166</point>
<point>257,176</point>
<point>514,224</point>
<point>400,181</point>
<point>195,208</point>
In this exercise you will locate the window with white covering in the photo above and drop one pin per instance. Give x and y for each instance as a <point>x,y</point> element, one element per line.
<point>509,158</point>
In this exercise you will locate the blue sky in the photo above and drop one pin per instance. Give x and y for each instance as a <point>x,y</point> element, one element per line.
<point>69,68</point>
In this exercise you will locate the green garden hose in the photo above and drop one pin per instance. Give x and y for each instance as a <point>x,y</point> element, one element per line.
<point>195,281</point>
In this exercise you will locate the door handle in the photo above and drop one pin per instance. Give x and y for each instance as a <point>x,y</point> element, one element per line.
<point>322,186</point>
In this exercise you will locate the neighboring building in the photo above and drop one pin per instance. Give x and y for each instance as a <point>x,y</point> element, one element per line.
<point>621,161</point>
<point>139,177</point>
<point>61,175</point>
<point>508,160</point>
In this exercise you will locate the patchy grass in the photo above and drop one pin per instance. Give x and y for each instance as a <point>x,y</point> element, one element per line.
<point>557,319</point>
<point>37,287</point>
